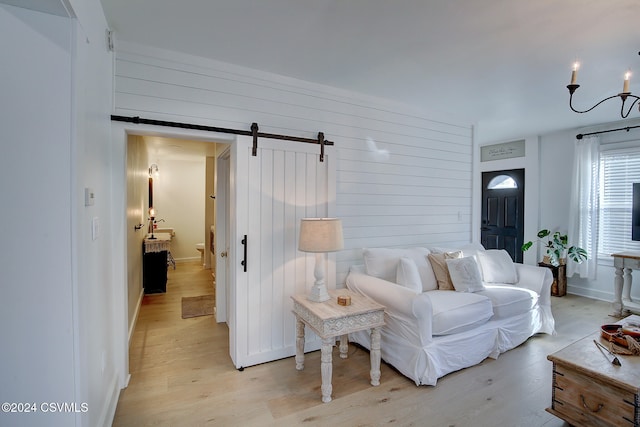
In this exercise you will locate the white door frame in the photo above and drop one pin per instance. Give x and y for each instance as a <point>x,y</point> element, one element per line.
<point>120,132</point>
<point>221,260</point>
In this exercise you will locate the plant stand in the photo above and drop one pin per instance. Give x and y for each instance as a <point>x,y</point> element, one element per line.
<point>559,285</point>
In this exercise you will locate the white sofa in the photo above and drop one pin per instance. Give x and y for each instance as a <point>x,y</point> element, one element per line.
<point>431,332</point>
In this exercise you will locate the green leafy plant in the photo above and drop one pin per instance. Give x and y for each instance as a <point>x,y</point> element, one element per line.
<point>556,247</point>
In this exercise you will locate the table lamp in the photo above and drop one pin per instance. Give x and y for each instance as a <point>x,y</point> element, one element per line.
<point>319,236</point>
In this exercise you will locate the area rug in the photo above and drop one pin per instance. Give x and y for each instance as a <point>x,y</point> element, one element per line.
<point>198,306</point>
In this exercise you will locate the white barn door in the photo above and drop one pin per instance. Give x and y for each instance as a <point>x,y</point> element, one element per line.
<point>271,192</point>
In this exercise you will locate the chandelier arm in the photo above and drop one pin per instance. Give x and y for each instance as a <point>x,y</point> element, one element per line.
<point>622,113</point>
<point>586,111</point>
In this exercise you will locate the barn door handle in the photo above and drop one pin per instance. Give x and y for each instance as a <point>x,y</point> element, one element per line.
<point>244,260</point>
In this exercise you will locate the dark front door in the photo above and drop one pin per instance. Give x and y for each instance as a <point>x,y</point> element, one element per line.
<point>503,211</point>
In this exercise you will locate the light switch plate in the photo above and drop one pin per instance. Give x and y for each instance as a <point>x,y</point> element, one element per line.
<point>95,228</point>
<point>89,196</point>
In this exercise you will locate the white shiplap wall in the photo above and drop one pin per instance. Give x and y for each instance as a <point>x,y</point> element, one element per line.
<point>419,195</point>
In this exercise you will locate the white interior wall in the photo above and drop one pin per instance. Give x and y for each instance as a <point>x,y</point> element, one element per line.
<point>556,164</point>
<point>100,306</point>
<point>35,174</point>
<point>57,74</point>
<point>178,199</point>
<point>419,195</point>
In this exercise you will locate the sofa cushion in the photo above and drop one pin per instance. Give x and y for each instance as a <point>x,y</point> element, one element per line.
<point>509,301</point>
<point>465,274</point>
<point>455,312</point>
<point>470,249</point>
<point>407,275</point>
<point>497,266</point>
<point>383,263</point>
<point>439,266</point>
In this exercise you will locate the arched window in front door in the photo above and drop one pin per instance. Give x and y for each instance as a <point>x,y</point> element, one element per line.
<point>501,182</point>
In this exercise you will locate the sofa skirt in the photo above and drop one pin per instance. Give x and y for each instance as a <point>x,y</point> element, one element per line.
<point>450,353</point>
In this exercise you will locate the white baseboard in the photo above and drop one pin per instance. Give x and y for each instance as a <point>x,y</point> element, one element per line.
<point>189,259</point>
<point>132,326</point>
<point>109,409</point>
<point>590,293</point>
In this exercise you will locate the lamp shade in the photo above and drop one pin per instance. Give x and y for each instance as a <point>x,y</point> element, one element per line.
<point>320,235</point>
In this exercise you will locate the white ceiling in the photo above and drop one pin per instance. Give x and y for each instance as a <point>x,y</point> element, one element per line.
<point>53,7</point>
<point>502,64</point>
<point>177,149</point>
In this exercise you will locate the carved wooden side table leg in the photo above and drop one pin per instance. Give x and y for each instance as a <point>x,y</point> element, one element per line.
<point>617,301</point>
<point>344,346</point>
<point>375,356</point>
<point>626,287</point>
<point>299,344</point>
<point>326,368</point>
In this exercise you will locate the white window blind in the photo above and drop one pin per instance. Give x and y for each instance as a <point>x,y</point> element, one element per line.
<point>619,169</point>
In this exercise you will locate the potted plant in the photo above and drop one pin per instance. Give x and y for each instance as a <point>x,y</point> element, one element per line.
<point>557,250</point>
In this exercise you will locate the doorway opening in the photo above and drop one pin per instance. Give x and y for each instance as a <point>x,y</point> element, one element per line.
<point>184,200</point>
<point>503,211</point>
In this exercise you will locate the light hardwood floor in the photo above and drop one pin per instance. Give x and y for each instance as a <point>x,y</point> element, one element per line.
<point>181,375</point>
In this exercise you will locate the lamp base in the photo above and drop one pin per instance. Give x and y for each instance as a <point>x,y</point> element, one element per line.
<point>318,294</point>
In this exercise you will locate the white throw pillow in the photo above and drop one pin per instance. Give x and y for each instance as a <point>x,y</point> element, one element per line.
<point>465,274</point>
<point>408,275</point>
<point>497,266</point>
<point>383,264</point>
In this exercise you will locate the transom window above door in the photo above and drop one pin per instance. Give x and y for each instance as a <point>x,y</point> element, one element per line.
<point>502,182</point>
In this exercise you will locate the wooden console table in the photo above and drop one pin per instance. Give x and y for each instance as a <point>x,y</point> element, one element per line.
<point>588,390</point>
<point>624,263</point>
<point>329,320</point>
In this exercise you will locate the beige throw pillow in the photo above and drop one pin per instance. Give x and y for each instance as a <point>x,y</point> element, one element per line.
<point>440,269</point>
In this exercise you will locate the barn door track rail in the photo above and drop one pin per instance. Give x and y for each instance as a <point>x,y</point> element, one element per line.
<point>253,132</point>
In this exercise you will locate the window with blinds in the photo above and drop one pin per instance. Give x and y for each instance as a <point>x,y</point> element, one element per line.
<point>619,169</point>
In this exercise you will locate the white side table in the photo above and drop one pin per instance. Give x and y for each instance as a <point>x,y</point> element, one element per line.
<point>329,320</point>
<point>624,263</point>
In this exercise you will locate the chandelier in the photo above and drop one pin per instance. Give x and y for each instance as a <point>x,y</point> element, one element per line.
<point>624,95</point>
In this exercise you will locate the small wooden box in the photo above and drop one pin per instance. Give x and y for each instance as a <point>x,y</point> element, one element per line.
<point>344,300</point>
<point>559,285</point>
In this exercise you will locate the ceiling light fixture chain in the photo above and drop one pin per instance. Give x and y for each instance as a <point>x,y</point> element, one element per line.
<point>624,95</point>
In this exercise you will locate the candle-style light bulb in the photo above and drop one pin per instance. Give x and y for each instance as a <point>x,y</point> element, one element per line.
<point>574,73</point>
<point>625,87</point>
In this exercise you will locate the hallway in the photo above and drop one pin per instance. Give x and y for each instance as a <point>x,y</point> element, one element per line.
<point>168,352</point>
